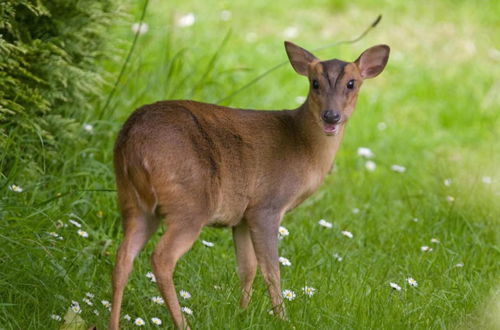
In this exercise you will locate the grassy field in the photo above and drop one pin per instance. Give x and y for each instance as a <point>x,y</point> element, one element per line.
<point>435,111</point>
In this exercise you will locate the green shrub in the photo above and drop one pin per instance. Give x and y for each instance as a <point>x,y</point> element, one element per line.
<point>49,81</point>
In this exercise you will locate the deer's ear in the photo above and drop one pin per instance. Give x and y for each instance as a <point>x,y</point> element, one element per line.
<point>372,61</point>
<point>299,57</point>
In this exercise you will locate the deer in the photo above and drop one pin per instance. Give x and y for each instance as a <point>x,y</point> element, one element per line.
<point>190,165</point>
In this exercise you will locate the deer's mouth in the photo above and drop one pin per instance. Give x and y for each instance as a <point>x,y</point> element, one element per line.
<point>331,129</point>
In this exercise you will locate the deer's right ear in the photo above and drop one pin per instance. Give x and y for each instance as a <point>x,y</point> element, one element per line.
<point>299,57</point>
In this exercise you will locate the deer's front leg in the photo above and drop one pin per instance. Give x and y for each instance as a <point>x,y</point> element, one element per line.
<point>264,233</point>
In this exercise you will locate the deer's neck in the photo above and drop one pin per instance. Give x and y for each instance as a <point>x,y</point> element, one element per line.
<point>320,147</point>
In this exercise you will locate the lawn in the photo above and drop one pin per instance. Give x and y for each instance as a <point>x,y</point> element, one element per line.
<point>434,111</point>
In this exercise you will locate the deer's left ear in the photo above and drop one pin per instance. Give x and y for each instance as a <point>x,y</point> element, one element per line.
<point>372,61</point>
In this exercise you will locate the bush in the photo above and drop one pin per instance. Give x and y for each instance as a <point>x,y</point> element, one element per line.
<point>48,78</point>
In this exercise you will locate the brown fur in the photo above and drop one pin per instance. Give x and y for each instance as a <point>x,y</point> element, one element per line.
<point>198,164</point>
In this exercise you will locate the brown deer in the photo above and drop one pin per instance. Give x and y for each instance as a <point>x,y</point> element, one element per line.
<point>196,164</point>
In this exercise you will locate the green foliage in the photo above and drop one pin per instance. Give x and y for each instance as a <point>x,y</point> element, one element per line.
<point>48,53</point>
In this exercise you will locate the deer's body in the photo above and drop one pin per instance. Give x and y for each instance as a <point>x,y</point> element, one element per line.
<point>222,161</point>
<point>196,164</point>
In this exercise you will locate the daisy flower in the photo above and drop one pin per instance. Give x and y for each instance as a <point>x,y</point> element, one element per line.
<point>450,199</point>
<point>151,276</point>
<point>337,257</point>
<point>282,232</point>
<point>284,261</point>
<point>398,168</point>
<point>370,165</point>
<point>106,303</point>
<point>140,28</point>
<point>76,223</point>
<point>139,322</point>
<point>187,310</point>
<point>395,286</point>
<point>184,294</point>
<point>156,321</point>
<point>187,20</point>
<point>289,294</point>
<point>89,295</point>
<point>89,128</point>
<point>15,188</point>
<point>415,219</point>
<point>96,312</point>
<point>75,307</point>
<point>127,317</point>
<point>435,241</point>
<point>83,233</point>
<point>225,15</point>
<point>486,180</point>
<point>425,248</point>
<point>87,301</point>
<point>347,234</point>
<point>459,265</point>
<point>291,32</point>
<point>325,223</point>
<point>355,210</point>
<point>309,291</point>
<point>447,182</point>
<point>411,281</point>
<point>207,243</point>
<point>55,317</point>
<point>365,152</point>
<point>158,300</point>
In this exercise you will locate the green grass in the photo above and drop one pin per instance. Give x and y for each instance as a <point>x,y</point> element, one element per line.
<point>440,100</point>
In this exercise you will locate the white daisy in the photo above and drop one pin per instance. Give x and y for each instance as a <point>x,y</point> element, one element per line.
<point>156,321</point>
<point>365,152</point>
<point>459,265</point>
<point>381,126</point>
<point>289,294</point>
<point>282,232</point>
<point>139,322</point>
<point>184,294</point>
<point>106,303</point>
<point>450,199</point>
<point>411,281</point>
<point>355,210</point>
<point>415,219</point>
<point>225,15</point>
<point>87,301</point>
<point>370,166</point>
<point>347,234</point>
<point>82,233</point>
<point>127,317</point>
<point>435,241</point>
<point>187,310</point>
<point>207,243</point>
<point>447,182</point>
<point>55,235</point>
<point>140,28</point>
<point>76,223</point>
<point>398,168</point>
<point>89,295</point>
<point>89,128</point>
<point>56,317</point>
<point>186,20</point>
<point>151,276</point>
<point>325,223</point>
<point>96,312</point>
<point>309,291</point>
<point>284,261</point>
<point>15,188</point>
<point>425,248</point>
<point>75,307</point>
<point>486,180</point>
<point>291,32</point>
<point>158,300</point>
<point>300,99</point>
<point>395,286</point>
<point>338,257</point>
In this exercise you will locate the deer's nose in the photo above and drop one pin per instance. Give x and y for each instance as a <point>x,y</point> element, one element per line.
<point>330,116</point>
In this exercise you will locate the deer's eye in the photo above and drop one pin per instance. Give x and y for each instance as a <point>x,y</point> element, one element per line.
<point>315,84</point>
<point>350,84</point>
